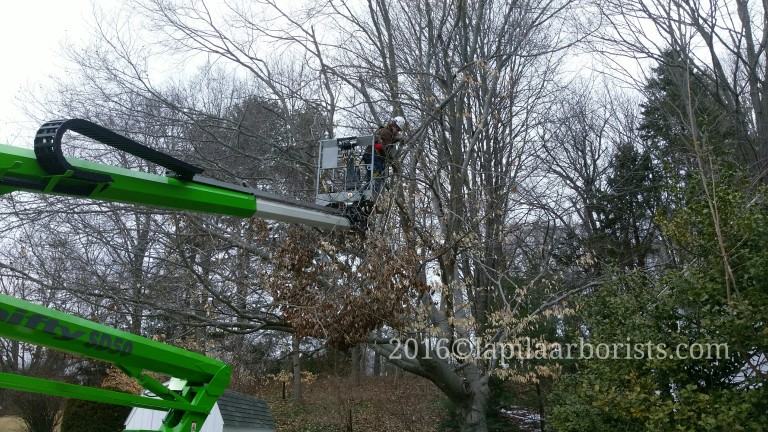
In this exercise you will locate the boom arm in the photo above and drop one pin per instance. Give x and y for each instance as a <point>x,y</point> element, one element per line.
<point>47,171</point>
<point>199,380</point>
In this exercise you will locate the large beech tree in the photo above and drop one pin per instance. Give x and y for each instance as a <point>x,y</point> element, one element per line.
<point>443,260</point>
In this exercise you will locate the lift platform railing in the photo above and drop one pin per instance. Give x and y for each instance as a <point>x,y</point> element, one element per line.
<point>198,380</point>
<point>342,175</point>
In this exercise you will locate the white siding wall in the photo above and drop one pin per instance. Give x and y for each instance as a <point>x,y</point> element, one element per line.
<point>147,419</point>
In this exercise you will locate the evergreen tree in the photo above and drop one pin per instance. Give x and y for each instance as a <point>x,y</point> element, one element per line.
<point>715,380</point>
<point>685,339</point>
<point>674,89</point>
<point>626,232</point>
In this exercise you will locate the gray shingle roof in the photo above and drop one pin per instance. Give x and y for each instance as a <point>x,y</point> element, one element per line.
<point>245,411</point>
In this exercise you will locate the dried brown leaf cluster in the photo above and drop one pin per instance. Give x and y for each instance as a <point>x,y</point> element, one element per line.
<point>118,381</point>
<point>341,289</point>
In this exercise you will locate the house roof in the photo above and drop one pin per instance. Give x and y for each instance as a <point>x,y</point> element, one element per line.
<point>245,411</point>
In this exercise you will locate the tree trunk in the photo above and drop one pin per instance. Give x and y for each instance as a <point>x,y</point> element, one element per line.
<point>472,410</point>
<point>376,364</point>
<point>295,359</point>
<point>355,372</point>
<point>466,387</point>
<point>540,398</point>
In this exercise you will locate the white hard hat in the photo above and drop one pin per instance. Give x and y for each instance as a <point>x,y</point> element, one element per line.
<point>399,121</point>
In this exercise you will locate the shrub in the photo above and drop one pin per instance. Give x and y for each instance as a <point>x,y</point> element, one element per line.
<point>87,416</point>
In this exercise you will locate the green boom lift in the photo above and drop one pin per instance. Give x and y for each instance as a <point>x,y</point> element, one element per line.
<point>198,380</point>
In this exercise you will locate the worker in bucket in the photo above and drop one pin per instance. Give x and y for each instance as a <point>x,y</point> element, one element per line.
<point>378,158</point>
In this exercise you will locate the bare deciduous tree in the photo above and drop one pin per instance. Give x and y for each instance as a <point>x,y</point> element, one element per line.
<point>722,42</point>
<point>474,79</point>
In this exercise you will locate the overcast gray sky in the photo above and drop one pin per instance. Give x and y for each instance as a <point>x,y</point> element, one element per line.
<point>31,32</point>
